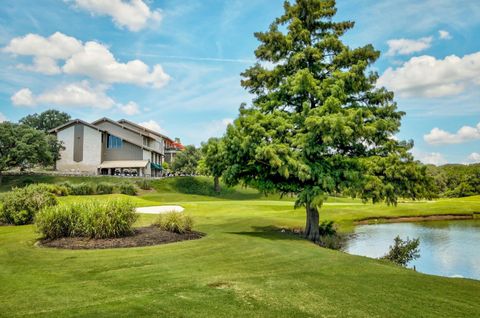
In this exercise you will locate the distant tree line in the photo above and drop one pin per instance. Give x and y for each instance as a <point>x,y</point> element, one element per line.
<point>455,180</point>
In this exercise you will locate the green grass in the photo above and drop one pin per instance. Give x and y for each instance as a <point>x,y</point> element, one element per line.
<point>242,268</point>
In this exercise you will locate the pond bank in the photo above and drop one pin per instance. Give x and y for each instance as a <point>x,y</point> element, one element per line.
<point>417,218</point>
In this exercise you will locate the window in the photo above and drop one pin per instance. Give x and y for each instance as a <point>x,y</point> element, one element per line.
<point>113,142</point>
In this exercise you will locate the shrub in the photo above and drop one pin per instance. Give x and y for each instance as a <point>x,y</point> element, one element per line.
<point>333,242</point>
<point>56,189</point>
<point>144,184</point>
<point>174,222</point>
<point>402,252</point>
<point>94,219</point>
<point>128,189</point>
<point>82,188</point>
<point>21,204</point>
<point>105,188</point>
<point>327,228</point>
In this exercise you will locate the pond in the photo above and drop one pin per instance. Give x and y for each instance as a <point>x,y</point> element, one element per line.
<point>447,248</point>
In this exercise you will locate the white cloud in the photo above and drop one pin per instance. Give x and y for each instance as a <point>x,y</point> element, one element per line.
<point>23,97</point>
<point>425,76</point>
<point>2,118</point>
<point>91,59</point>
<point>407,46</point>
<point>58,46</point>
<point>444,35</point>
<point>439,136</point>
<point>474,157</point>
<point>133,14</point>
<point>97,62</point>
<point>152,125</point>
<point>130,108</point>
<point>80,94</point>
<point>433,158</point>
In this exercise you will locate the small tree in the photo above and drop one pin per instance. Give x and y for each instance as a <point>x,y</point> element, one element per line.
<point>213,160</point>
<point>22,147</point>
<point>402,252</point>
<point>186,161</point>
<point>47,120</point>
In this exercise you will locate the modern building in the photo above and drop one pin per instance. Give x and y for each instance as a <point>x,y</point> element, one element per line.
<point>108,147</point>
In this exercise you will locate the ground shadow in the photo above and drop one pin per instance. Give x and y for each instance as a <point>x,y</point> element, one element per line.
<point>273,233</point>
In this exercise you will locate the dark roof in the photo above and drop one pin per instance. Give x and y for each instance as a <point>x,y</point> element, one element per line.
<point>73,122</point>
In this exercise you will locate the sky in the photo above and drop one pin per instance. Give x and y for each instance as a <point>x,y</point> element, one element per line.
<point>174,66</point>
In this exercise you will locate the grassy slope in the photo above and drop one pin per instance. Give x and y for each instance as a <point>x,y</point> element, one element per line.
<point>241,268</point>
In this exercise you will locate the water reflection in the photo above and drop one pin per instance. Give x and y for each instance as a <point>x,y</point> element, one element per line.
<point>447,248</point>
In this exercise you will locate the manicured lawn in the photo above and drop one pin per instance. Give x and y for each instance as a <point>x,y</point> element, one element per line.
<point>242,268</point>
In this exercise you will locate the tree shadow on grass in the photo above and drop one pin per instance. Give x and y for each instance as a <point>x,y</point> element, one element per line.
<point>273,233</point>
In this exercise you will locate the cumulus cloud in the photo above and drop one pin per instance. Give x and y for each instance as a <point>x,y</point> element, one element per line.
<point>97,62</point>
<point>23,97</point>
<point>91,59</point>
<point>2,118</point>
<point>474,157</point>
<point>439,136</point>
<point>444,35</point>
<point>432,158</point>
<point>81,94</point>
<point>130,108</point>
<point>134,14</point>
<point>152,125</point>
<point>426,76</point>
<point>408,46</point>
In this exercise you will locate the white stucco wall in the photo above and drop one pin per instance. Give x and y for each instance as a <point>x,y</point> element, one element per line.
<point>92,150</point>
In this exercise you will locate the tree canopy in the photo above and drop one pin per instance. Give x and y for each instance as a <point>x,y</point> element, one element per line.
<point>186,161</point>
<point>46,120</point>
<point>213,160</point>
<point>318,124</point>
<point>23,147</point>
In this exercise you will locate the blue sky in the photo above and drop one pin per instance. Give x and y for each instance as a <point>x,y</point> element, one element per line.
<point>175,65</point>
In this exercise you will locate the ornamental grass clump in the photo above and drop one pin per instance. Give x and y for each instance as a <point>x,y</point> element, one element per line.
<point>21,204</point>
<point>93,219</point>
<point>144,184</point>
<point>105,188</point>
<point>83,188</point>
<point>127,188</point>
<point>57,189</point>
<point>174,222</point>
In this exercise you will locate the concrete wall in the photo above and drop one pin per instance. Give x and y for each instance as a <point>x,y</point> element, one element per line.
<point>156,142</point>
<point>92,150</point>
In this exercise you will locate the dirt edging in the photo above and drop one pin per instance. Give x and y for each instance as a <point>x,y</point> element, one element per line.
<point>143,236</point>
<point>415,218</point>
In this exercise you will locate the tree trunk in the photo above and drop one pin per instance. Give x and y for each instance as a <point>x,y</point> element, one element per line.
<point>216,183</point>
<point>311,228</point>
<point>1,177</point>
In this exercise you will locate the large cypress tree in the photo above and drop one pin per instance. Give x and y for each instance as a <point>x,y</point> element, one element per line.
<point>318,124</point>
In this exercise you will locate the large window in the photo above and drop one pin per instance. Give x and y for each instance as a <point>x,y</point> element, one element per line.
<point>113,142</point>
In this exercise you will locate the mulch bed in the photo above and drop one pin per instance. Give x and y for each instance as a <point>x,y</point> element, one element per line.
<point>143,236</point>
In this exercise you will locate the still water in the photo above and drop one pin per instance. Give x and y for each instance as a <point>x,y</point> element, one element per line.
<point>447,248</point>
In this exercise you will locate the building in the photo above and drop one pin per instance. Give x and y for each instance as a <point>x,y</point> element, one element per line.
<point>108,147</point>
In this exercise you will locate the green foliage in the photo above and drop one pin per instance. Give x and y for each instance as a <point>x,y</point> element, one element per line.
<point>213,160</point>
<point>56,189</point>
<point>23,147</point>
<point>456,180</point>
<point>83,188</point>
<point>403,251</point>
<point>165,165</point>
<point>327,228</point>
<point>21,204</point>
<point>319,125</point>
<point>94,219</point>
<point>174,222</point>
<point>46,120</point>
<point>186,161</point>
<point>105,188</point>
<point>127,188</point>
<point>144,184</point>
